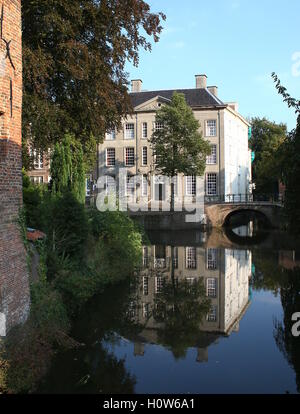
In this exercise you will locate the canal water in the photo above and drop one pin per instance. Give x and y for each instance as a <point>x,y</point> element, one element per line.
<point>205,313</point>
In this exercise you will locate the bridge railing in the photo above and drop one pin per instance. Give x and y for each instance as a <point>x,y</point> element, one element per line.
<point>243,198</point>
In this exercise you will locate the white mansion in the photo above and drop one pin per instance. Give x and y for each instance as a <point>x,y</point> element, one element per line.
<point>228,169</point>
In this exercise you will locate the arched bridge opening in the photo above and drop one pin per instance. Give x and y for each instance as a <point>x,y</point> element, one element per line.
<point>243,216</point>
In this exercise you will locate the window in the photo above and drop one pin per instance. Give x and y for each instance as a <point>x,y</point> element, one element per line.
<point>132,309</point>
<point>211,287</point>
<point>129,157</point>
<point>212,315</point>
<point>212,158</point>
<point>37,180</point>
<point>144,130</point>
<point>111,135</point>
<point>144,156</point>
<point>211,259</point>
<point>110,184</point>
<point>38,159</point>
<point>144,186</point>
<point>191,185</point>
<point>130,185</point>
<point>211,128</point>
<point>211,184</point>
<point>145,286</point>
<point>110,157</point>
<point>190,256</point>
<point>159,284</point>
<point>129,131</point>
<point>146,310</point>
<point>145,256</point>
<point>158,126</point>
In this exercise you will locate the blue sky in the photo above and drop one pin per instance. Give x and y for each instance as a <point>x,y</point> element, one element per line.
<point>236,43</point>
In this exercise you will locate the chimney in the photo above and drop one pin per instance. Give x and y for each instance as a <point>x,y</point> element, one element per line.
<point>213,90</point>
<point>234,106</point>
<point>136,85</point>
<point>201,81</point>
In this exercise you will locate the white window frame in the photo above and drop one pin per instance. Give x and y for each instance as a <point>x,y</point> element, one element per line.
<point>144,156</point>
<point>158,126</point>
<point>129,132</point>
<point>212,158</point>
<point>144,185</point>
<point>211,128</point>
<point>127,156</point>
<point>211,259</point>
<point>130,185</point>
<point>145,130</point>
<point>191,258</point>
<point>110,161</point>
<point>37,179</point>
<point>190,185</point>
<point>211,287</point>
<point>209,184</point>
<point>145,285</point>
<point>110,184</point>
<point>212,314</point>
<point>159,284</point>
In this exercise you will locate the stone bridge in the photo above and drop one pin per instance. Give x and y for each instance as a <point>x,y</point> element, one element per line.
<point>218,214</point>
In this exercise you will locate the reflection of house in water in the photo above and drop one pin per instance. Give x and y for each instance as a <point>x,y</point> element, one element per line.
<point>225,274</point>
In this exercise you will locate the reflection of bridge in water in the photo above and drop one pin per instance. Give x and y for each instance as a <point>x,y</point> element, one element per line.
<point>218,211</point>
<point>225,275</point>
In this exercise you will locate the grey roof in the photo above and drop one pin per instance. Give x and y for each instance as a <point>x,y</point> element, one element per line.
<point>194,97</point>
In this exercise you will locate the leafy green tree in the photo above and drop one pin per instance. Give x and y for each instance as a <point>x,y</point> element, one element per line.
<point>266,139</point>
<point>74,55</point>
<point>178,147</point>
<point>289,154</point>
<point>67,168</point>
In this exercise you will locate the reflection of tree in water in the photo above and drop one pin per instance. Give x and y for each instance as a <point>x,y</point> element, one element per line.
<point>92,368</point>
<point>180,307</point>
<point>288,344</point>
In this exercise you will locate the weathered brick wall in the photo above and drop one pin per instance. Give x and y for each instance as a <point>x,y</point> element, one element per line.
<point>14,285</point>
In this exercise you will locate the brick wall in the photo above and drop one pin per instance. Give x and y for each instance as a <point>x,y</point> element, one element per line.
<point>14,286</point>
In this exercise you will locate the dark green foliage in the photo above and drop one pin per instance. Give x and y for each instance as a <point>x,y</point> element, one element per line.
<point>266,140</point>
<point>74,54</point>
<point>67,226</point>
<point>33,197</point>
<point>112,251</point>
<point>290,159</point>
<point>289,154</point>
<point>67,168</point>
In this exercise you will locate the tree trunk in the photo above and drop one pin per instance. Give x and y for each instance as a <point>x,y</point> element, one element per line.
<point>172,198</point>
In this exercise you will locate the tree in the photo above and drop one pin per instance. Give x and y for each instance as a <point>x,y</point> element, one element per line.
<point>266,139</point>
<point>290,163</point>
<point>74,54</point>
<point>178,147</point>
<point>67,168</point>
